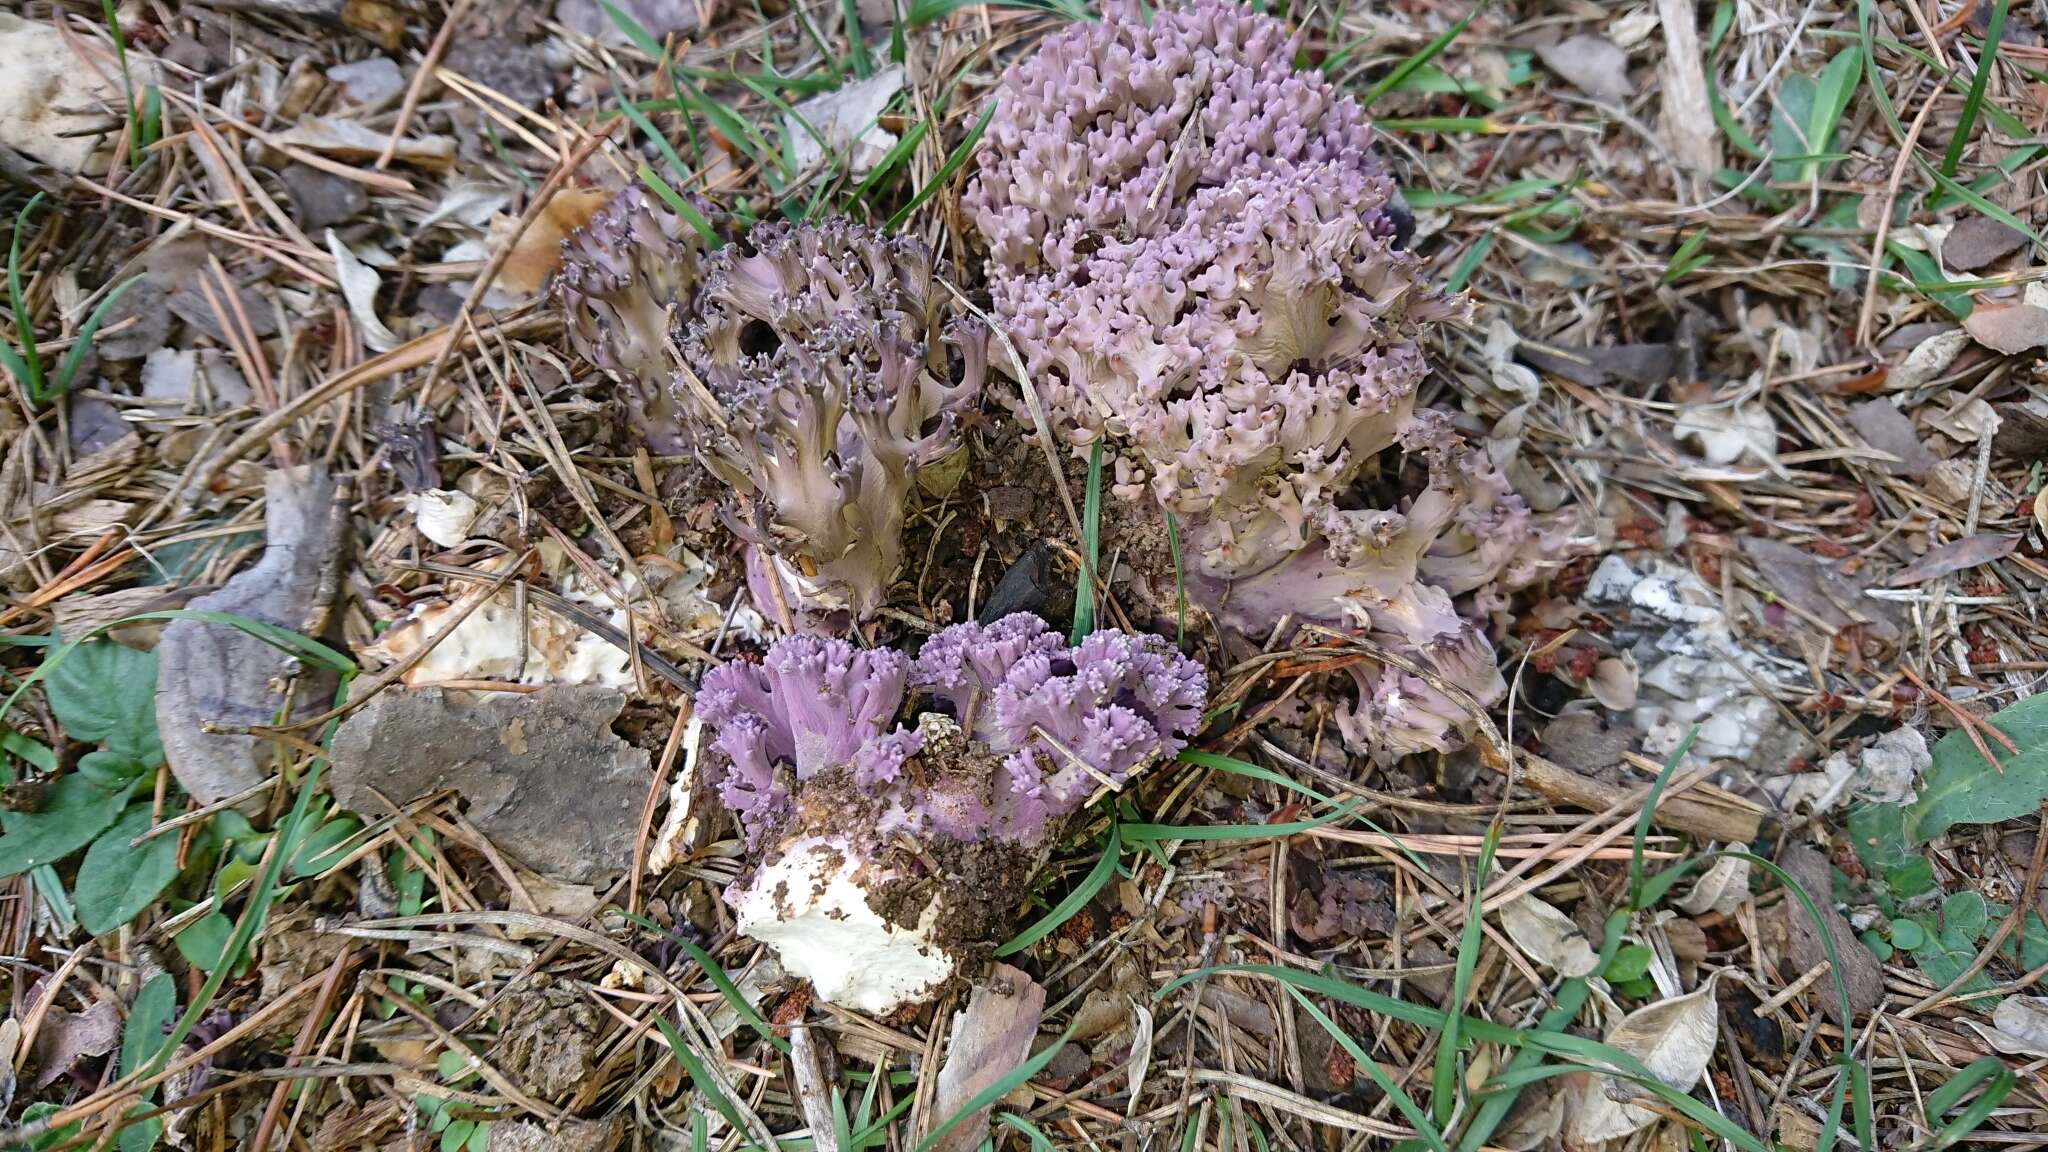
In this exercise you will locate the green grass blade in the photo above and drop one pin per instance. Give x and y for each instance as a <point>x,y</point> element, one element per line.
<point>18,370</point>
<point>28,358</point>
<point>857,43</point>
<point>1040,1142</point>
<point>634,33</point>
<point>1688,258</point>
<point>1443,1096</point>
<point>996,1091</point>
<point>290,837</point>
<point>1469,262</point>
<point>647,129</point>
<point>1428,52</point>
<point>953,161</point>
<point>1219,763</point>
<point>283,639</point>
<point>1831,96</point>
<point>1872,78</point>
<point>1724,19</point>
<point>1585,1052</point>
<point>891,160</point>
<point>1192,833</point>
<point>1724,119</point>
<point>1977,200</point>
<point>1987,59</point>
<point>1091,543</point>
<point>61,383</point>
<point>1097,879</point>
<point>1180,582</point>
<point>700,1076</point>
<point>679,206</point>
<point>1642,838</point>
<point>1998,1082</point>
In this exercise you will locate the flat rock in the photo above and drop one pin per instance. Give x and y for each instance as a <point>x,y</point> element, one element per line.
<point>545,778</point>
<point>211,672</point>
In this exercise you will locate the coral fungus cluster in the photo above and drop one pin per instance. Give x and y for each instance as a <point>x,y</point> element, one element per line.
<point>813,368</point>
<point>1195,251</point>
<point>1197,255</point>
<point>976,748</point>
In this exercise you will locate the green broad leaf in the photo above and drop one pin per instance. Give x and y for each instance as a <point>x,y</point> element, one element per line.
<point>480,1138</point>
<point>1832,93</point>
<point>1966,915</point>
<point>1947,956</point>
<point>148,1017</point>
<point>1878,945</point>
<point>117,881</point>
<point>455,1135</point>
<point>1962,789</point>
<point>453,1067</point>
<point>325,847</point>
<point>1790,116</point>
<point>43,1110</point>
<point>111,771</point>
<point>1631,963</point>
<point>1908,935</point>
<point>1912,879</point>
<point>141,1039</point>
<point>1877,833</point>
<point>141,1135</point>
<point>74,811</point>
<point>104,693</point>
<point>203,941</point>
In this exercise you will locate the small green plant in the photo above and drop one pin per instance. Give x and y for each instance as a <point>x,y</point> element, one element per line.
<point>145,117</point>
<point>1940,933</point>
<point>25,362</point>
<point>1805,117</point>
<point>458,1134</point>
<point>1689,258</point>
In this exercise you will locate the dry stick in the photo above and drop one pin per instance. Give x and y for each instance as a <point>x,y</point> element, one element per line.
<point>307,1031</point>
<point>1967,721</point>
<point>456,12</point>
<point>261,246</point>
<point>129,1086</point>
<point>654,790</point>
<point>1731,820</point>
<point>412,354</point>
<point>1884,219</point>
<point>556,177</point>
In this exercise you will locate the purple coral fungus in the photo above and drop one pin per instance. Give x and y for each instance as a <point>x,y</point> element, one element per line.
<point>977,750</point>
<point>1194,250</point>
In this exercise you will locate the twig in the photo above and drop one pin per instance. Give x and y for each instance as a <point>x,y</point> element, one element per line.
<point>456,12</point>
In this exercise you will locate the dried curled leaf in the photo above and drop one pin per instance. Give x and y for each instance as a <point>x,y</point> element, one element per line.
<point>1722,889</point>
<point>1674,1039</point>
<point>1548,937</point>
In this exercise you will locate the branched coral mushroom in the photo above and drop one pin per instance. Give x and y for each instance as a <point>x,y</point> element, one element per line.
<point>898,806</point>
<point>814,368</point>
<point>1195,252</point>
<point>624,277</point>
<point>823,368</point>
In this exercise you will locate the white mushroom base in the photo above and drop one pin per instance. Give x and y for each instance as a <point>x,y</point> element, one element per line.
<point>811,906</point>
